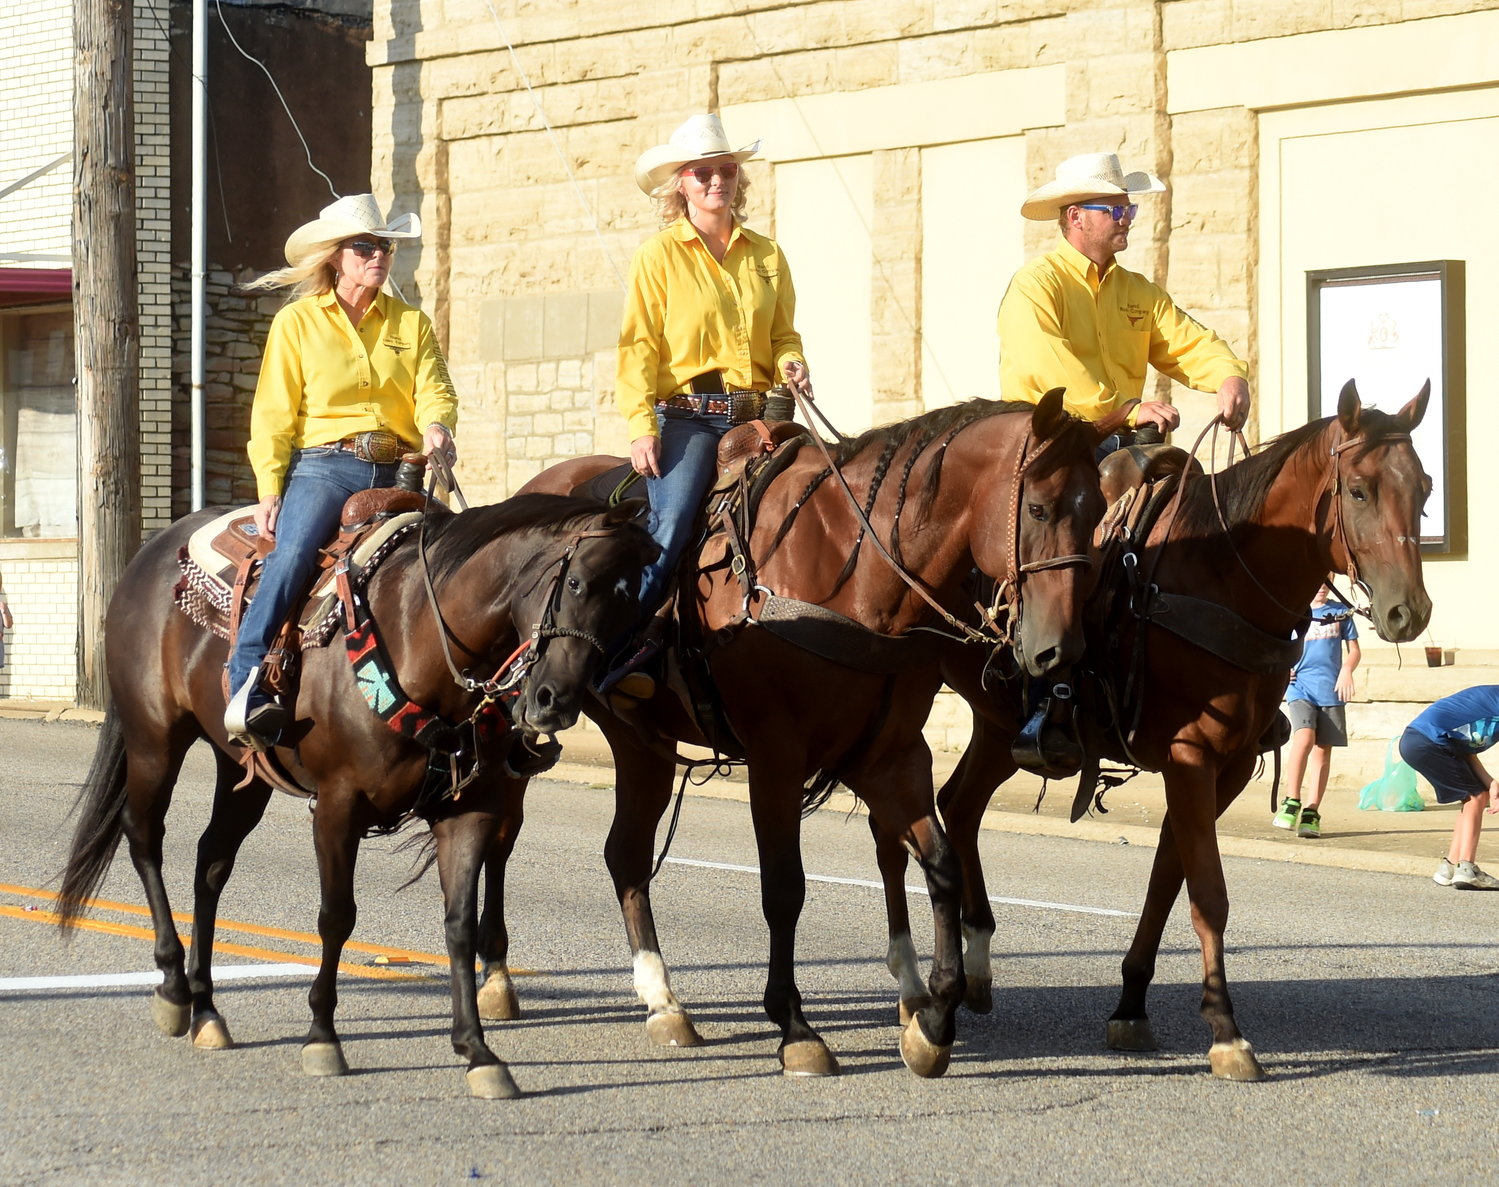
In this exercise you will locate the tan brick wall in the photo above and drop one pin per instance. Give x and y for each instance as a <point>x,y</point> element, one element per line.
<point>532,260</point>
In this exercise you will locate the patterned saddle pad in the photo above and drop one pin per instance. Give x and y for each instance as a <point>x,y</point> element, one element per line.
<point>213,555</point>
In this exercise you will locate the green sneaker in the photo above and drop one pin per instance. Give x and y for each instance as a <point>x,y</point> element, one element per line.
<point>1311,823</point>
<point>1289,814</point>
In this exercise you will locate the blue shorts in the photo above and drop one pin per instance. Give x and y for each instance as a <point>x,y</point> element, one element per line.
<point>1444,765</point>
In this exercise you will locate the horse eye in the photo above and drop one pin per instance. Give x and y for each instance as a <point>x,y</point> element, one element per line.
<point>1037,512</point>
<point>1358,494</point>
<point>574,585</point>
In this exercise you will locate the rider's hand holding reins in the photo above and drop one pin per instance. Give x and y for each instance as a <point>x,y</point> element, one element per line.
<point>798,378</point>
<point>1233,402</point>
<point>267,511</point>
<point>437,439</point>
<point>645,456</point>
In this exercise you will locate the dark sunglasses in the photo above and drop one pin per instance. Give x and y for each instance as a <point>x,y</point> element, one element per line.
<point>1117,213</point>
<point>704,173</point>
<point>365,248</point>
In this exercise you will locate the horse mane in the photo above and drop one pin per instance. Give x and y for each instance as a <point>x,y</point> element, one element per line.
<point>946,423</point>
<point>453,537</point>
<point>1244,487</point>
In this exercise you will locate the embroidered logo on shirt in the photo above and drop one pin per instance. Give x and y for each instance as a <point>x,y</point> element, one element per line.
<point>764,272</point>
<point>1135,315</point>
<point>397,345</point>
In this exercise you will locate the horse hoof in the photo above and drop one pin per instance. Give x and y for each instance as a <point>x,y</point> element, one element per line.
<point>809,1057</point>
<point>924,1057</point>
<point>210,1034</point>
<point>1235,1060</point>
<point>491,1082</point>
<point>170,1018</point>
<point>672,1028</point>
<point>911,1006</point>
<point>979,995</point>
<point>324,1059</point>
<point>497,1001</point>
<point>1131,1034</point>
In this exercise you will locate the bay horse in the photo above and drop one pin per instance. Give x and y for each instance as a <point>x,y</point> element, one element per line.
<point>1010,489</point>
<point>1341,494</point>
<point>542,578</point>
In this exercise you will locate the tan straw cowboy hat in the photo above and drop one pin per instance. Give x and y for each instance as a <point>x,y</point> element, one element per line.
<point>702,136</point>
<point>1092,175</point>
<point>357,214</point>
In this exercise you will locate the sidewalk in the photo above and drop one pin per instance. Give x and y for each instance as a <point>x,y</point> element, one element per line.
<point>1390,842</point>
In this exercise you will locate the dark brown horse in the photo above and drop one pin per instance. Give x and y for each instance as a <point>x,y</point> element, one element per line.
<point>1341,494</point>
<point>560,572</point>
<point>1009,489</point>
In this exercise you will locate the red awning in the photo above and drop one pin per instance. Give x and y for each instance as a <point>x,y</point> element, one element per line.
<point>49,281</point>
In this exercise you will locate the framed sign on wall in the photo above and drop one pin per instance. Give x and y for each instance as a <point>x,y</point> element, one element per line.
<point>1390,328</point>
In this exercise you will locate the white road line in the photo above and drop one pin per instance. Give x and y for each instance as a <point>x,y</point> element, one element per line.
<point>232,972</point>
<point>993,898</point>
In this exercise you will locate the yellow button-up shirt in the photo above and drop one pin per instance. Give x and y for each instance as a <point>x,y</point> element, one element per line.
<point>1062,325</point>
<point>321,380</point>
<point>685,313</point>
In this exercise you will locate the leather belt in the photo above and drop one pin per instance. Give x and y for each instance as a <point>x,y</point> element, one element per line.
<point>740,407</point>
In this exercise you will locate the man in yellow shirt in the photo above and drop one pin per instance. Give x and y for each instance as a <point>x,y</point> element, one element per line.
<point>1074,318</point>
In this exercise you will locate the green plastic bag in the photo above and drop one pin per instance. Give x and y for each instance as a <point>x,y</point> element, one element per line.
<point>1395,790</point>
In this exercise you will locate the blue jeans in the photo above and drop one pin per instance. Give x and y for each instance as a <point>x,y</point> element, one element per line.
<point>318,483</point>
<point>689,464</point>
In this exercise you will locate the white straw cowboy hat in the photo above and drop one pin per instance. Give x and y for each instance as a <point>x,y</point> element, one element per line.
<point>357,214</point>
<point>702,136</point>
<point>1092,175</point>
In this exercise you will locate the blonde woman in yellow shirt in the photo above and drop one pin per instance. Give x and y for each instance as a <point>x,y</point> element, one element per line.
<point>708,326</point>
<point>352,378</point>
<point>1074,318</point>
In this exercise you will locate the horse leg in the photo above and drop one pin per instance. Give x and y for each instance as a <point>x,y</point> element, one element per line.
<point>497,998</point>
<point>235,814</point>
<point>1129,1025</point>
<point>964,798</point>
<point>461,844</point>
<point>1188,830</point>
<point>641,794</point>
<point>335,834</point>
<point>900,956</point>
<point>152,766</point>
<point>775,807</point>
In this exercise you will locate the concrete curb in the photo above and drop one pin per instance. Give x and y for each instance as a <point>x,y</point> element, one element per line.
<point>593,767</point>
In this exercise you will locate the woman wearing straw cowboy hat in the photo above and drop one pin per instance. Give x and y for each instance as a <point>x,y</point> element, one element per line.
<point>352,378</point>
<point>1073,318</point>
<point>708,328</point>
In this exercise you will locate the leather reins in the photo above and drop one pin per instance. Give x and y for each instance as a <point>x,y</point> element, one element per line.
<point>1017,570</point>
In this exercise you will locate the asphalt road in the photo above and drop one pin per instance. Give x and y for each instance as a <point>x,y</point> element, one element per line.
<point>1372,999</point>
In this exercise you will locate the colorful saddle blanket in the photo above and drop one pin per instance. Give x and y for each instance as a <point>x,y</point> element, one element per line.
<point>214,553</point>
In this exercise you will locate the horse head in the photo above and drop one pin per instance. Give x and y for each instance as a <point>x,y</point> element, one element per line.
<point>1379,489</point>
<point>1057,511</point>
<point>585,600</point>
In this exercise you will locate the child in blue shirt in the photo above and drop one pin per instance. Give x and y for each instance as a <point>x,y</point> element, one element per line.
<point>1443,744</point>
<point>1320,685</point>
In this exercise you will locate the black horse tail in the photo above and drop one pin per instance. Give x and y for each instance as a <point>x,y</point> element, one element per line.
<point>101,823</point>
<point>818,790</point>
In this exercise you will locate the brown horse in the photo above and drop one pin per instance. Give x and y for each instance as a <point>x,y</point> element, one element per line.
<point>1009,489</point>
<point>1340,494</point>
<point>562,572</point>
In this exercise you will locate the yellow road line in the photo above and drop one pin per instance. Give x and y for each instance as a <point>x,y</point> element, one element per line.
<point>253,929</point>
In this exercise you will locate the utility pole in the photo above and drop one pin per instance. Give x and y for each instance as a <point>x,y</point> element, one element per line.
<point>106,321</point>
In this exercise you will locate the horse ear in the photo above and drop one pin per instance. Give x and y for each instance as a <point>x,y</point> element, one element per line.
<point>1050,414</point>
<point>1412,413</point>
<point>1349,408</point>
<point>625,511</point>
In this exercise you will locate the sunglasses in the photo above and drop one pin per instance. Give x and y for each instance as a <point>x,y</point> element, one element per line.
<point>1117,213</point>
<point>704,173</point>
<point>365,248</point>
